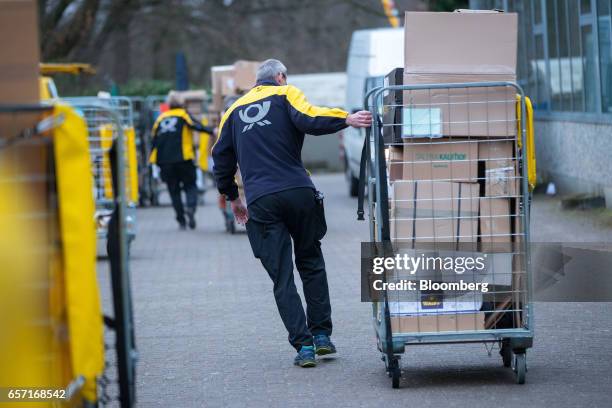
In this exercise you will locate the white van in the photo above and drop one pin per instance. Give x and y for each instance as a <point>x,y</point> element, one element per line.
<point>372,55</point>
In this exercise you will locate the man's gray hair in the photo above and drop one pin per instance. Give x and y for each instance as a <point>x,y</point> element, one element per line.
<point>269,69</point>
<point>174,100</point>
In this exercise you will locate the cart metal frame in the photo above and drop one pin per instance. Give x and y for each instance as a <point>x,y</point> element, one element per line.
<point>513,342</point>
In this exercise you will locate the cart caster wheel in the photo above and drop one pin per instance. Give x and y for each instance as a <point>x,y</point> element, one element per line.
<point>520,367</point>
<point>396,373</point>
<point>506,353</point>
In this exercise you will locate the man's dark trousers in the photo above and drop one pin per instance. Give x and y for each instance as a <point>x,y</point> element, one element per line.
<point>274,220</point>
<point>181,176</point>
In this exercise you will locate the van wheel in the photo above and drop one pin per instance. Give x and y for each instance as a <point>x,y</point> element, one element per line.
<point>352,181</point>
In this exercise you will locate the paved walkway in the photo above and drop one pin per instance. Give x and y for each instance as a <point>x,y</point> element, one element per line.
<point>209,334</point>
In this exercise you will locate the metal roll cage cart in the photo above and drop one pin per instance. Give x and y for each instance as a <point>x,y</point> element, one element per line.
<point>513,341</point>
<point>122,321</point>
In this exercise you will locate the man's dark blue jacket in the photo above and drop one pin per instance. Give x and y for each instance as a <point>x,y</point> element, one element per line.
<point>263,133</point>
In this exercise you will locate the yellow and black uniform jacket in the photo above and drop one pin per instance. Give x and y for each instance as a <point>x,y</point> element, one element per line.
<point>172,137</point>
<point>263,132</point>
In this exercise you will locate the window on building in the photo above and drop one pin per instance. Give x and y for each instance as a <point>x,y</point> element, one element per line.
<point>575,49</point>
<point>565,52</point>
<point>605,48</point>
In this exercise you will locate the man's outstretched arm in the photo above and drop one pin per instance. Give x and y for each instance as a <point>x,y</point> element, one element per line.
<point>196,125</point>
<point>316,120</point>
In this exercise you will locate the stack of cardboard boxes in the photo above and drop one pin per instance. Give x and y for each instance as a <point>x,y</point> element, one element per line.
<point>228,80</point>
<point>451,161</point>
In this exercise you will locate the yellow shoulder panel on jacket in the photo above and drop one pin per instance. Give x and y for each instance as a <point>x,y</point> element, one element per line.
<point>181,113</point>
<point>257,93</point>
<point>297,99</point>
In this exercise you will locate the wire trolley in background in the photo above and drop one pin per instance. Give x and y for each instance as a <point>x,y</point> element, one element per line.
<point>99,113</point>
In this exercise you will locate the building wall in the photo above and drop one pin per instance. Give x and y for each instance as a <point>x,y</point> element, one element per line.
<point>565,67</point>
<point>576,156</point>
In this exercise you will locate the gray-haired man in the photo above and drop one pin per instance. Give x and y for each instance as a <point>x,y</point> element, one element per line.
<point>263,132</point>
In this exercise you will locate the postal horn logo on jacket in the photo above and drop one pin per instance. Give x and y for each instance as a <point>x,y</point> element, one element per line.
<point>261,112</point>
<point>168,124</point>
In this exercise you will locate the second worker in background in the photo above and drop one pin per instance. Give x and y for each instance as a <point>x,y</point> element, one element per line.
<point>263,133</point>
<point>174,153</point>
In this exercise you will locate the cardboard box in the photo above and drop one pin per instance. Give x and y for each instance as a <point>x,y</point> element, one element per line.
<point>460,48</point>
<point>500,168</point>
<point>495,217</point>
<point>223,84</point>
<point>394,163</point>
<point>434,212</point>
<point>460,43</point>
<point>245,73</point>
<point>441,159</point>
<point>438,323</point>
<point>475,112</point>
<point>19,53</point>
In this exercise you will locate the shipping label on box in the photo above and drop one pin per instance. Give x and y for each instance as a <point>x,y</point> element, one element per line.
<point>443,159</point>
<point>501,171</point>
<point>500,182</point>
<point>421,122</point>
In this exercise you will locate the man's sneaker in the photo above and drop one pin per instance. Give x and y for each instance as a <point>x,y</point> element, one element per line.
<point>323,345</point>
<point>305,357</point>
<point>191,218</point>
<point>182,224</point>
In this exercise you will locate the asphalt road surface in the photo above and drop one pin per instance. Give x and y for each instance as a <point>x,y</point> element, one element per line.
<point>209,334</point>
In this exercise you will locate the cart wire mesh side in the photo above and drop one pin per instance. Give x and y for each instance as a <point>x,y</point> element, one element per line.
<point>447,181</point>
<point>100,114</point>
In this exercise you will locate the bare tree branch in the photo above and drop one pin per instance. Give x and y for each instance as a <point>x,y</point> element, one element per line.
<point>60,42</point>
